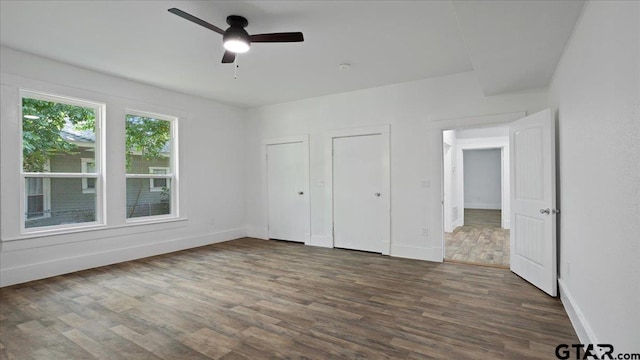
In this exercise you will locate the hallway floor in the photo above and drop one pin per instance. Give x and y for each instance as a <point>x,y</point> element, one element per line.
<point>481,240</point>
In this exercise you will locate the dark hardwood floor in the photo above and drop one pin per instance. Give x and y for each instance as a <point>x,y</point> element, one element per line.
<point>255,299</point>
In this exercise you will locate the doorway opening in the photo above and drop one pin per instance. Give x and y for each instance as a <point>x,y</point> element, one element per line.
<point>476,196</point>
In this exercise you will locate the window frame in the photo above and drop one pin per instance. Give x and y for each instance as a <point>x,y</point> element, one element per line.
<point>46,198</point>
<point>99,109</point>
<point>46,201</point>
<point>152,184</point>
<point>85,181</point>
<point>172,173</point>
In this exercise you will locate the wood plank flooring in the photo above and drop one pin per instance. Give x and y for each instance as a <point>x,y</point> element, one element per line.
<point>256,299</point>
<point>480,241</point>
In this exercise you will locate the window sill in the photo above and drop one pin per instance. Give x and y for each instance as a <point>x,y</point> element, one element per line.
<point>88,232</point>
<point>147,220</point>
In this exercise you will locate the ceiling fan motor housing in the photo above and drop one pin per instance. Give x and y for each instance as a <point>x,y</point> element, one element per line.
<point>237,20</point>
<point>236,30</point>
<point>236,33</point>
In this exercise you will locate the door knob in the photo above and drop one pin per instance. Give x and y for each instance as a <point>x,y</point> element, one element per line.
<point>377,194</point>
<point>545,211</point>
<point>300,192</point>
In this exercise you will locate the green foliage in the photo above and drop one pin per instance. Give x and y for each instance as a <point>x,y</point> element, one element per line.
<point>41,137</point>
<point>146,137</point>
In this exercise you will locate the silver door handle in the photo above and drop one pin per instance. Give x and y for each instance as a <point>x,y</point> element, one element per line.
<point>377,194</point>
<point>545,211</point>
<point>300,192</point>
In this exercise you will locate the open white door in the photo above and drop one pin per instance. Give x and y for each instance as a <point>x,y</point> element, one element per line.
<point>533,200</point>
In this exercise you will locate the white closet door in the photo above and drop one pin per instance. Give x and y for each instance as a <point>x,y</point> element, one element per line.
<point>533,200</point>
<point>288,211</point>
<point>359,212</point>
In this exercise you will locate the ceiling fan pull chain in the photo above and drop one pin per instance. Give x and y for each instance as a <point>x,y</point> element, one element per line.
<point>235,68</point>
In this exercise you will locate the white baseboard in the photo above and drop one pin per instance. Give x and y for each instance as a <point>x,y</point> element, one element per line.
<point>457,223</point>
<point>418,253</point>
<point>579,322</point>
<point>257,232</point>
<point>491,206</point>
<point>506,224</point>
<point>30,272</point>
<point>321,240</point>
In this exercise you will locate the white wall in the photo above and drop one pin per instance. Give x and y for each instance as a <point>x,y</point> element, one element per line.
<point>416,113</point>
<point>450,185</point>
<point>211,160</point>
<point>596,89</point>
<point>482,179</point>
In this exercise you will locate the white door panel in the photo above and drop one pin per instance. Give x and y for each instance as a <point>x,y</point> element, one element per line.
<point>359,212</point>
<point>533,229</point>
<point>286,192</point>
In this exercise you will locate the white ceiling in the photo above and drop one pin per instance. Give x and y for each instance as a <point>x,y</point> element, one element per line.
<point>511,46</point>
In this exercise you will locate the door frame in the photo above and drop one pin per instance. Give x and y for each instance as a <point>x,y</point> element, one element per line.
<point>384,131</point>
<point>491,143</point>
<point>435,132</point>
<point>304,139</point>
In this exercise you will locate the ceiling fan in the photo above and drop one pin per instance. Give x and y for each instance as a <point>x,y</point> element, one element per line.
<point>236,39</point>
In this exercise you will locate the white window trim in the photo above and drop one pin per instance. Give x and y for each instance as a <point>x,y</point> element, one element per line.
<point>152,186</point>
<point>99,136</point>
<point>85,184</point>
<point>172,176</point>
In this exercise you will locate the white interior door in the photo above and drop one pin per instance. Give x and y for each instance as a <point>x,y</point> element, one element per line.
<point>359,200</point>
<point>533,199</point>
<point>288,211</point>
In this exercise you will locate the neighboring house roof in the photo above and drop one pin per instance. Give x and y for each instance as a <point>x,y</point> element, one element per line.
<point>71,134</point>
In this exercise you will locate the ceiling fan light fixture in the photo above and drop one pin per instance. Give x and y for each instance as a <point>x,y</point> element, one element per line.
<point>236,40</point>
<point>236,46</point>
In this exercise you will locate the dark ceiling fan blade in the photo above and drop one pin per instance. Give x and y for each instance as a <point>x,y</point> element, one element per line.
<point>277,37</point>
<point>196,20</point>
<point>228,57</point>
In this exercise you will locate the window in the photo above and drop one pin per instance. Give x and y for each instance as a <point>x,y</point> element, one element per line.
<point>151,165</point>
<point>37,198</point>
<point>88,167</point>
<point>60,155</point>
<point>158,184</point>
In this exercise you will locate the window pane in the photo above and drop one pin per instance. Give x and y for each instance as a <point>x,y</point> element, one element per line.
<point>159,183</point>
<point>61,202</point>
<point>55,136</point>
<point>33,186</point>
<point>141,201</point>
<point>148,144</point>
<point>35,206</point>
